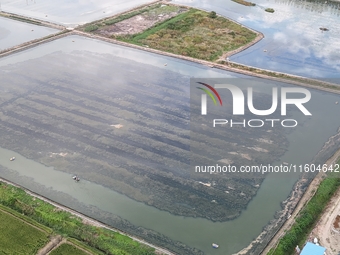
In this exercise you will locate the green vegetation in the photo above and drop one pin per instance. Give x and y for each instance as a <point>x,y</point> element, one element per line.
<point>270,10</point>
<point>18,237</point>
<point>91,28</point>
<point>212,15</point>
<point>63,223</point>
<point>243,2</point>
<point>308,217</point>
<point>67,249</point>
<point>26,219</point>
<point>195,34</point>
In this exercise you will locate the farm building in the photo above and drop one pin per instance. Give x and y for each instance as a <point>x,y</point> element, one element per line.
<point>313,249</point>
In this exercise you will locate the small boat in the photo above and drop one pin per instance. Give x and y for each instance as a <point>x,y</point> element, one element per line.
<point>12,159</point>
<point>215,245</point>
<point>76,178</point>
<point>336,102</point>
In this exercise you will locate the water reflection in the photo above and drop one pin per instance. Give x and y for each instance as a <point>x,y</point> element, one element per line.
<point>70,12</point>
<point>13,32</point>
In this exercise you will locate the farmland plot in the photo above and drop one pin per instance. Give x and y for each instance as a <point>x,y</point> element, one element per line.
<point>17,237</point>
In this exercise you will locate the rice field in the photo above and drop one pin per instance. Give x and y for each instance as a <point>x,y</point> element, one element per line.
<point>19,237</point>
<point>68,249</point>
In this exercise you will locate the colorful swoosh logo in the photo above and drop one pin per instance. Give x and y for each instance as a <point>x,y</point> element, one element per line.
<point>209,93</point>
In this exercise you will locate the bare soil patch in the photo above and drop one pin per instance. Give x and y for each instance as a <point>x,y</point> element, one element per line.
<point>134,25</point>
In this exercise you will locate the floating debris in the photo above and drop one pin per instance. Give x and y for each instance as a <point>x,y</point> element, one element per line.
<point>117,126</point>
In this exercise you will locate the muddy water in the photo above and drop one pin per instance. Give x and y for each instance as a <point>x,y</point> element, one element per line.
<point>305,142</point>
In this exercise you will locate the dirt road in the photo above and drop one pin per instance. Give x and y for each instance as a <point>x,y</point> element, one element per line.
<point>323,229</point>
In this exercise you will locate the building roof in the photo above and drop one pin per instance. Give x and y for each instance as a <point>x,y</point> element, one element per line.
<point>313,249</point>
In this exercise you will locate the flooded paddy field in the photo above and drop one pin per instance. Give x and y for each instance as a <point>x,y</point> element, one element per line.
<point>70,12</point>
<point>13,32</point>
<point>293,41</point>
<point>119,118</point>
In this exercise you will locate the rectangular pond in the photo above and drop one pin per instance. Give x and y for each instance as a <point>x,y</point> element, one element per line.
<point>13,32</point>
<point>119,118</point>
<point>70,12</point>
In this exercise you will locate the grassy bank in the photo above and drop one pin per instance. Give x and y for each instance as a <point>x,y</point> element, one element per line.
<point>196,34</point>
<point>307,218</point>
<point>67,225</point>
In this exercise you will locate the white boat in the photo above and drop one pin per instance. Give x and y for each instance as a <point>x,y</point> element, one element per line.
<point>12,158</point>
<point>215,245</point>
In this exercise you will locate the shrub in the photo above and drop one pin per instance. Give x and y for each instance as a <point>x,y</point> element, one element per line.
<point>91,28</point>
<point>212,15</point>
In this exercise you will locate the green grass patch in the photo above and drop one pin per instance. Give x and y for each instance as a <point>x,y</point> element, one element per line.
<point>27,219</point>
<point>67,249</point>
<point>270,10</point>
<point>307,218</point>
<point>91,28</point>
<point>66,224</point>
<point>195,34</point>
<point>17,237</point>
<point>243,2</point>
<point>84,246</point>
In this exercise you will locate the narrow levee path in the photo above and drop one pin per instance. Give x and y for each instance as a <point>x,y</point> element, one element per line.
<point>54,242</point>
<point>309,193</point>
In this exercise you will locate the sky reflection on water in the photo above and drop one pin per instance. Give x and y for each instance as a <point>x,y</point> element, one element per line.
<point>14,32</point>
<point>70,12</point>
